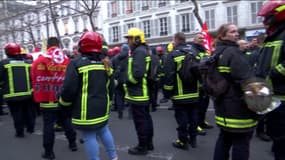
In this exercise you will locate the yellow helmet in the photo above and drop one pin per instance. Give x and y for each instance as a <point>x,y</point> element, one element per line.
<point>136,34</point>
<point>170,47</point>
<point>23,51</point>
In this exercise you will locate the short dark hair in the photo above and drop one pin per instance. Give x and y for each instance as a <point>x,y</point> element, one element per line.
<point>52,41</point>
<point>180,36</point>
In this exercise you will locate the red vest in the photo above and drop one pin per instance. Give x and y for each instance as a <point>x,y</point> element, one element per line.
<point>48,72</point>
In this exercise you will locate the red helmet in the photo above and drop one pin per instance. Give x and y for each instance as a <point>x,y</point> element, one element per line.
<point>29,56</point>
<point>90,42</point>
<point>12,49</point>
<point>110,52</point>
<point>159,49</point>
<point>116,50</point>
<point>273,12</point>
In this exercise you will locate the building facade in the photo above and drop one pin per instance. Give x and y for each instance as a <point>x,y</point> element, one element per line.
<point>159,19</point>
<point>31,27</point>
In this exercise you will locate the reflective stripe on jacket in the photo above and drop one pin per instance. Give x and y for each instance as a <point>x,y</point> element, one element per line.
<point>15,78</point>
<point>86,90</point>
<point>136,86</point>
<point>181,93</point>
<point>232,113</point>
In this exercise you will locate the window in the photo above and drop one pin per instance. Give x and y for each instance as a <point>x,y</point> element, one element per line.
<point>145,5</point>
<point>184,1</point>
<point>129,8</point>
<point>161,3</point>
<point>75,20</point>
<point>232,15</point>
<point>163,26</point>
<point>84,18</point>
<point>187,22</point>
<point>114,9</point>
<point>210,18</point>
<point>65,21</point>
<point>130,25</point>
<point>115,33</point>
<point>255,7</point>
<point>127,26</point>
<point>146,28</point>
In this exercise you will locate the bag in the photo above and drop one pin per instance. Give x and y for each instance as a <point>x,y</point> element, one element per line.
<point>216,85</point>
<point>189,63</point>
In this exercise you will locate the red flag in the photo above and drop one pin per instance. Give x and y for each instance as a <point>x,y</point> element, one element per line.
<point>209,40</point>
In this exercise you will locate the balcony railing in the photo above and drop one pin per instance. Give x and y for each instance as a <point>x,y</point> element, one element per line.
<point>161,4</point>
<point>145,8</point>
<point>114,15</point>
<point>164,33</point>
<point>128,11</point>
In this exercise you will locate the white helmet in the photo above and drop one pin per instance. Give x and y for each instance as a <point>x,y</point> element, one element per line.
<point>259,97</point>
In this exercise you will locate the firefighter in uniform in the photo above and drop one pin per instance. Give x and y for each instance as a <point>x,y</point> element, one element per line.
<point>119,63</point>
<point>200,52</point>
<point>48,73</point>
<point>271,66</point>
<point>136,90</point>
<point>235,120</point>
<point>17,92</point>
<point>184,96</point>
<point>162,59</point>
<point>89,100</point>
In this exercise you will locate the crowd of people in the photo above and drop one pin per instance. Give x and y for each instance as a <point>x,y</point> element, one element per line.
<point>77,89</point>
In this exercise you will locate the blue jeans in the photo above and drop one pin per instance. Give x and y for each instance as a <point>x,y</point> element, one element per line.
<point>92,146</point>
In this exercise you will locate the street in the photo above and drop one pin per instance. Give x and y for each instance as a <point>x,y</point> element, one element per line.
<point>30,147</point>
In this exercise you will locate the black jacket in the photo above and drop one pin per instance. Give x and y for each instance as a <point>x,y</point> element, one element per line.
<point>231,110</point>
<point>271,63</point>
<point>86,90</point>
<point>199,51</point>
<point>17,71</point>
<point>271,66</point>
<point>136,86</point>
<point>120,62</point>
<point>180,93</point>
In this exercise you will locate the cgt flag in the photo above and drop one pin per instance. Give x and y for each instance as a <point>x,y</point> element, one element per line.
<point>209,40</point>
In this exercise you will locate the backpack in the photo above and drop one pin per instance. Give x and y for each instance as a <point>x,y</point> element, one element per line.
<point>153,68</point>
<point>215,84</point>
<point>189,63</point>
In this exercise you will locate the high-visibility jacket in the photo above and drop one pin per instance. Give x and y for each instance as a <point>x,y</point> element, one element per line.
<point>231,111</point>
<point>86,91</point>
<point>271,66</point>
<point>48,73</point>
<point>136,86</point>
<point>180,92</point>
<point>15,79</point>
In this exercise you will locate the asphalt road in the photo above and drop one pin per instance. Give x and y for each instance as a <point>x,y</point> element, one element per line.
<point>30,147</point>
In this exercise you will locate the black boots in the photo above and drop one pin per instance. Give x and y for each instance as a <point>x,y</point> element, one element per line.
<point>73,146</point>
<point>193,142</point>
<point>179,144</point>
<point>141,148</point>
<point>48,155</point>
<point>138,150</point>
<point>120,114</point>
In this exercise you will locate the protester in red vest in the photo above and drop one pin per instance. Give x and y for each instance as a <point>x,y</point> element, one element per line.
<point>48,73</point>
